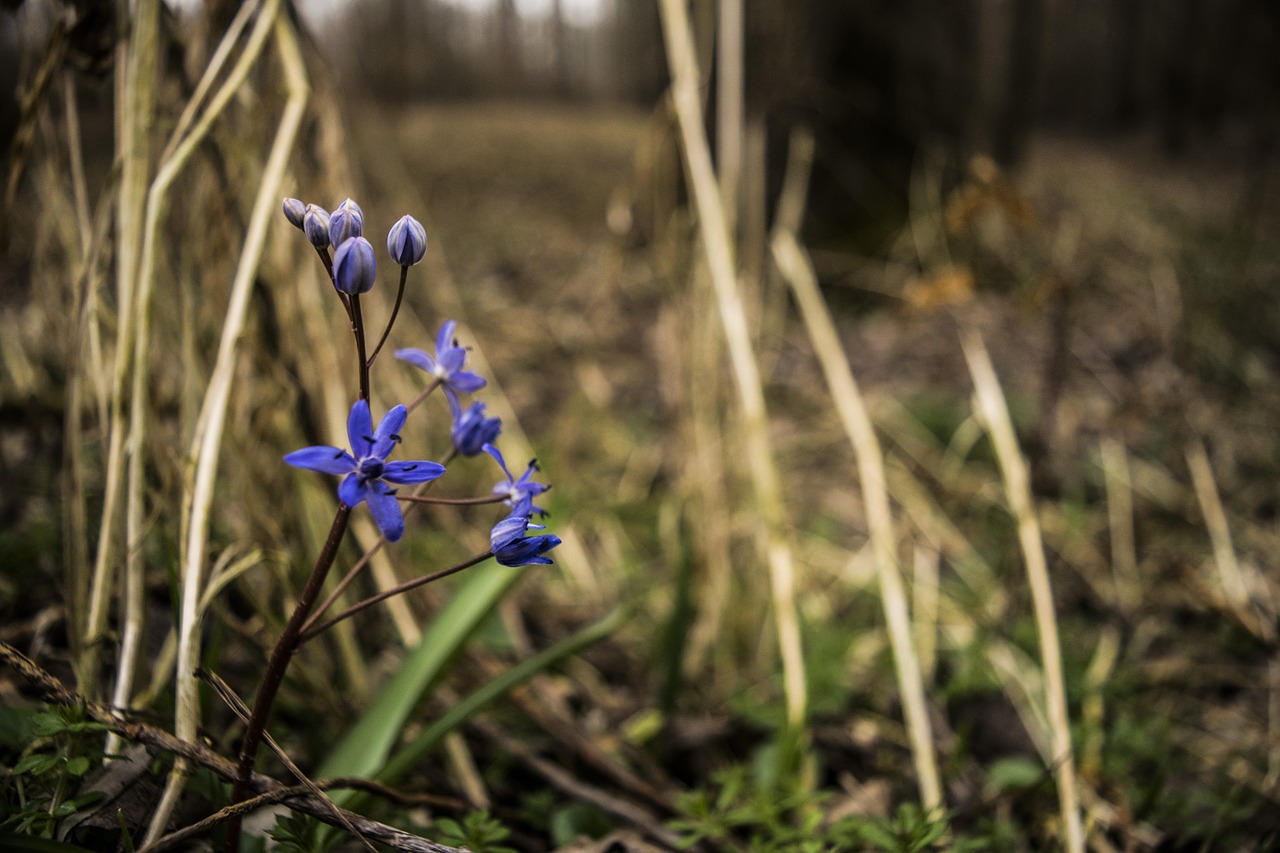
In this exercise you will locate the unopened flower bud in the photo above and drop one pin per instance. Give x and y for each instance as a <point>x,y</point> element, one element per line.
<point>348,204</point>
<point>315,222</point>
<point>294,211</point>
<point>343,225</point>
<point>407,241</point>
<point>354,266</point>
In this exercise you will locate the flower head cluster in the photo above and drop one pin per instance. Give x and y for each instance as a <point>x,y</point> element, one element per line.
<point>355,265</point>
<point>368,476</point>
<point>366,469</point>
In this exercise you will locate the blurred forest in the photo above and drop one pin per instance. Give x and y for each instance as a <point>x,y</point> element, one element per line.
<point>876,81</point>
<point>907,372</point>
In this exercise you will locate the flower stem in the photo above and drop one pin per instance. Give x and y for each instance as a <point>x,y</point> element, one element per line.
<point>396,590</point>
<point>357,326</point>
<point>328,268</point>
<point>426,392</point>
<point>278,663</point>
<point>368,555</point>
<point>486,499</point>
<point>404,275</point>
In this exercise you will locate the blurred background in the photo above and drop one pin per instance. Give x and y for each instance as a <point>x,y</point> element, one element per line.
<point>1087,191</point>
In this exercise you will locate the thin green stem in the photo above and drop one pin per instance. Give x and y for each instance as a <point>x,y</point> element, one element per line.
<point>279,662</point>
<point>395,311</point>
<point>396,590</point>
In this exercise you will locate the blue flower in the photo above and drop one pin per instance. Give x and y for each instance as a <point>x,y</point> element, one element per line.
<point>354,266</point>
<point>446,364</point>
<point>366,468</point>
<point>510,546</point>
<point>471,429</point>
<point>407,241</point>
<point>519,491</point>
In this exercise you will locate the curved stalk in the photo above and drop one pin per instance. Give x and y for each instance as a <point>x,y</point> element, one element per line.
<point>309,633</point>
<point>279,662</point>
<point>391,321</point>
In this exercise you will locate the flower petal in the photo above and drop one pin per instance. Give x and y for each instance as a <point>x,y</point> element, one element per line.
<point>327,460</point>
<point>527,552</point>
<point>507,531</point>
<point>418,358</point>
<point>360,429</point>
<point>414,471</point>
<point>451,360</point>
<point>524,506</point>
<point>386,512</point>
<point>444,340</point>
<point>497,454</point>
<point>388,432</point>
<point>351,491</point>
<point>471,430</point>
<point>467,382</point>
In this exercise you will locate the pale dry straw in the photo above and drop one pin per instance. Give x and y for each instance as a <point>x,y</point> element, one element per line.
<point>995,414</point>
<point>720,261</point>
<point>203,455</point>
<point>798,270</point>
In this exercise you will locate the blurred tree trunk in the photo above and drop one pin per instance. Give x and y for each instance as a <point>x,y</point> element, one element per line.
<point>1025,39</point>
<point>1126,28</point>
<point>508,48</point>
<point>1183,59</point>
<point>563,84</point>
<point>729,99</point>
<point>963,21</point>
<point>9,77</point>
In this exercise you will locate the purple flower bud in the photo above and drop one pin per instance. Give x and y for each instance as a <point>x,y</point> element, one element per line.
<point>294,211</point>
<point>354,266</point>
<point>343,225</point>
<point>407,241</point>
<point>315,222</point>
<point>351,206</point>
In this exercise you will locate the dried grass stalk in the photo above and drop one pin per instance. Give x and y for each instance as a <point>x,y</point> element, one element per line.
<point>204,452</point>
<point>845,395</point>
<point>135,99</point>
<point>995,413</point>
<point>719,249</point>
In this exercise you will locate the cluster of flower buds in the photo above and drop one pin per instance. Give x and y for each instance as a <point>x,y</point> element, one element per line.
<point>367,475</point>
<point>354,264</point>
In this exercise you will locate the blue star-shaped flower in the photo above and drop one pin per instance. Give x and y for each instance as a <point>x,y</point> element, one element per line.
<point>446,364</point>
<point>518,490</point>
<point>510,546</point>
<point>471,429</point>
<point>366,468</point>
